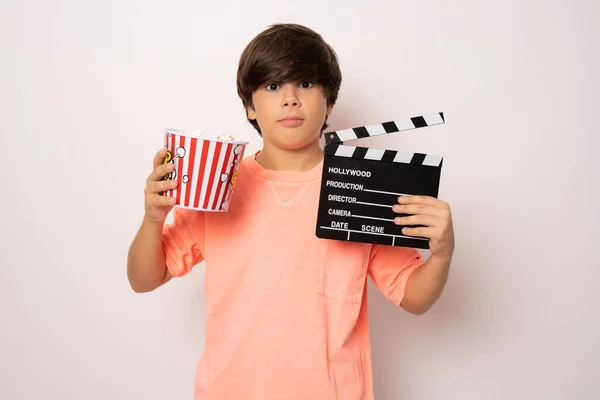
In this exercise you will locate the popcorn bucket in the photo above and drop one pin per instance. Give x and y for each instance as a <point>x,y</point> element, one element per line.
<point>206,168</point>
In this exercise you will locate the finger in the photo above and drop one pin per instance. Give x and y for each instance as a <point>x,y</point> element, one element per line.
<point>162,186</point>
<point>418,232</point>
<point>418,209</point>
<point>425,200</point>
<point>159,172</point>
<point>159,157</point>
<point>163,201</point>
<point>423,220</point>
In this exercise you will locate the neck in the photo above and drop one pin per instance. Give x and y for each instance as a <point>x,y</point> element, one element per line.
<point>271,157</point>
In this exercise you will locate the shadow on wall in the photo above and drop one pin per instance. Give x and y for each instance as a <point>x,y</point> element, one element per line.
<point>406,345</point>
<point>187,306</point>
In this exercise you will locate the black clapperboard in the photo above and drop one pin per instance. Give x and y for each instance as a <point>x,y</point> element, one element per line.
<point>360,184</point>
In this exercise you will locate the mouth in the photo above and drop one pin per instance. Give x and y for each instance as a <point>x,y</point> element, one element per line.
<point>291,122</point>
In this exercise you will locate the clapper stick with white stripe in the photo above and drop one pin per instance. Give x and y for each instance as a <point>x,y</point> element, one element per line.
<point>361,184</point>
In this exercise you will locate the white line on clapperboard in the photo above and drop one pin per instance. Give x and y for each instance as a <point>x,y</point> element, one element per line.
<point>379,205</point>
<point>373,233</point>
<point>375,218</point>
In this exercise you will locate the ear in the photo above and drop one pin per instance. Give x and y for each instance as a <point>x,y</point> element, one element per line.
<point>251,113</point>
<point>329,109</point>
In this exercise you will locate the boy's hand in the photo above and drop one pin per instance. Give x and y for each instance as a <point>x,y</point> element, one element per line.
<point>435,217</point>
<point>158,206</point>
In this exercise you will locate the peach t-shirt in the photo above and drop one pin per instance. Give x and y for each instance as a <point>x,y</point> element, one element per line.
<point>286,311</point>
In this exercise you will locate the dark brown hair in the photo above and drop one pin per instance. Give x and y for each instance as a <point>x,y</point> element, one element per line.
<point>287,53</point>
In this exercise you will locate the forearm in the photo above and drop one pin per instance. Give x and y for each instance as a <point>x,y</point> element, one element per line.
<point>146,269</point>
<point>426,284</point>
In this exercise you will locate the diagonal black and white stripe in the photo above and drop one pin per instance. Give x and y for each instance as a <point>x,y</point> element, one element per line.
<point>384,128</point>
<point>366,153</point>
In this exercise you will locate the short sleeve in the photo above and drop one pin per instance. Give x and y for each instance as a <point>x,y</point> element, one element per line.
<point>183,240</point>
<point>390,267</point>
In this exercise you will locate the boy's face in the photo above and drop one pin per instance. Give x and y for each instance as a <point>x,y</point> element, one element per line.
<point>290,114</point>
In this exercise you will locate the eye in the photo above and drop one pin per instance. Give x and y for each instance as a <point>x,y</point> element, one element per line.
<point>272,86</point>
<point>306,85</point>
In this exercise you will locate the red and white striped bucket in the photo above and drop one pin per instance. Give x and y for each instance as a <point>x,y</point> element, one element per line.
<point>205,170</point>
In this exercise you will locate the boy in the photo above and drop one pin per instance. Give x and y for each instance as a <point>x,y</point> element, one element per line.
<point>286,311</point>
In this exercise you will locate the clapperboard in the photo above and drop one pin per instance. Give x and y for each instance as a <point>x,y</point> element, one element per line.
<point>360,185</point>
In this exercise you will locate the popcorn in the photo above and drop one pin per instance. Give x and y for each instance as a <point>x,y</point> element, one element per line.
<point>218,135</point>
<point>224,136</point>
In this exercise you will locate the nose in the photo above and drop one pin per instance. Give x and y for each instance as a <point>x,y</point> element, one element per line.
<point>290,96</point>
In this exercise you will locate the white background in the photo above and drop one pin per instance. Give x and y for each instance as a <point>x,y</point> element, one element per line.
<point>86,89</point>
